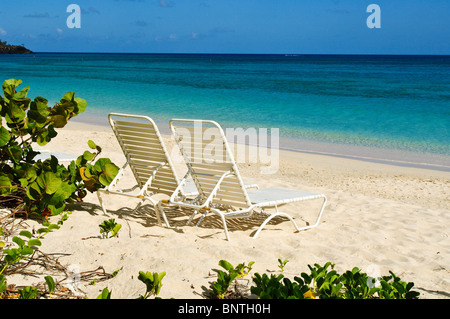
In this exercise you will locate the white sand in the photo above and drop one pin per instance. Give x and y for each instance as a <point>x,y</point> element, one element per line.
<point>378,217</point>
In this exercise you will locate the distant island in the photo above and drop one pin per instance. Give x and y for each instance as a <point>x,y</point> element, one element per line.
<point>13,49</point>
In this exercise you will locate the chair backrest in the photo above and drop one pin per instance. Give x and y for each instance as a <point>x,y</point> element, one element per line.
<point>144,150</point>
<point>206,152</point>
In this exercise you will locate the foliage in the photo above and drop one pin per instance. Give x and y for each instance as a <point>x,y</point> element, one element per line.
<point>326,283</point>
<point>28,292</point>
<point>43,187</point>
<point>109,226</point>
<point>224,279</point>
<point>105,294</point>
<point>153,283</point>
<point>394,288</point>
<point>278,287</point>
<point>282,264</point>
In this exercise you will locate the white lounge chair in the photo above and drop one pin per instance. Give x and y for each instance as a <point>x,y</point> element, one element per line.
<point>147,156</point>
<point>212,166</point>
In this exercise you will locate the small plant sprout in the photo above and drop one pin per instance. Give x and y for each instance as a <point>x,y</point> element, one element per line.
<point>105,294</point>
<point>109,228</point>
<point>282,264</point>
<point>50,284</point>
<point>153,283</point>
<point>224,279</point>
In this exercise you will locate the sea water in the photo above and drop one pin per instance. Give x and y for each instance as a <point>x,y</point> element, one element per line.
<point>383,108</point>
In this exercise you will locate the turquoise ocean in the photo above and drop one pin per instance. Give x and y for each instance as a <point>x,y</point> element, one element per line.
<point>393,109</point>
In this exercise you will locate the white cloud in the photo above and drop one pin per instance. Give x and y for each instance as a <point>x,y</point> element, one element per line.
<point>2,31</point>
<point>165,4</point>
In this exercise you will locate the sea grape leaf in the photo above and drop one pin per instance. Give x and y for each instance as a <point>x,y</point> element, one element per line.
<point>22,94</point>
<point>4,136</point>
<point>9,87</point>
<point>81,104</point>
<point>68,97</point>
<point>17,112</point>
<point>108,171</point>
<point>49,182</point>
<point>91,144</point>
<point>59,121</point>
<point>5,185</point>
<point>15,152</point>
<point>88,155</point>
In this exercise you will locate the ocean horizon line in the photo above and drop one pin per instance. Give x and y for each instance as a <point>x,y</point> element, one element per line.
<point>255,54</point>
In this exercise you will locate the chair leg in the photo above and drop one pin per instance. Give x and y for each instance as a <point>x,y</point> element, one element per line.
<point>224,222</point>
<point>292,220</point>
<point>192,217</point>
<point>201,219</point>
<point>318,216</point>
<point>160,210</point>
<point>272,216</point>
<point>101,203</point>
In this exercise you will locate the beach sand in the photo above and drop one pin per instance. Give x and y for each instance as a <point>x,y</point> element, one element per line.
<point>378,217</point>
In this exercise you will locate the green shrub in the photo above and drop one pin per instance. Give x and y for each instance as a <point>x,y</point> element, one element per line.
<point>225,278</point>
<point>43,187</point>
<point>325,283</point>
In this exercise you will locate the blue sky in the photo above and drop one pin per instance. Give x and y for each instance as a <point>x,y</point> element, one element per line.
<point>229,26</point>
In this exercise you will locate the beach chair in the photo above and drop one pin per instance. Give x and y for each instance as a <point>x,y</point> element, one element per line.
<point>216,176</point>
<point>147,157</point>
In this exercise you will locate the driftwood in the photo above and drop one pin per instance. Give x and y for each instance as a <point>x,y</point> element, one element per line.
<point>40,264</point>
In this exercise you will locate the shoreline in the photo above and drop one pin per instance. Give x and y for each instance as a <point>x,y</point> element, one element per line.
<point>303,146</point>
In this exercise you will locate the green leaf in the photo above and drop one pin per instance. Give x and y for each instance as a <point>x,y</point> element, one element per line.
<point>9,87</point>
<point>106,294</point>
<point>22,94</point>
<point>19,241</point>
<point>18,114</point>
<point>33,191</point>
<point>109,172</point>
<point>15,152</point>
<point>226,265</point>
<point>50,283</point>
<point>5,185</point>
<point>68,97</point>
<point>34,242</point>
<point>27,251</point>
<point>25,233</point>
<point>41,106</point>
<point>59,121</point>
<point>91,144</point>
<point>53,226</point>
<point>49,182</point>
<point>81,103</point>
<point>5,136</point>
<point>88,156</point>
